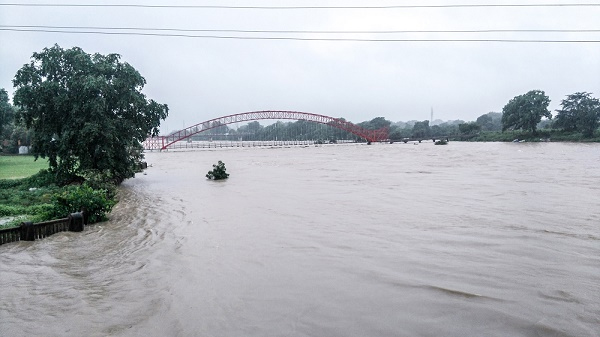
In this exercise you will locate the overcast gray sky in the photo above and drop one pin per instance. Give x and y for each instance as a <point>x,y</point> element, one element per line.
<point>205,78</point>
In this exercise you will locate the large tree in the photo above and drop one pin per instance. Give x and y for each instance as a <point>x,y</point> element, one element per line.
<point>87,112</point>
<point>580,111</point>
<point>526,111</point>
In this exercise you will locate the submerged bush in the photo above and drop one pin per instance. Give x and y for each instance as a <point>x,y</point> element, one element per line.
<point>218,172</point>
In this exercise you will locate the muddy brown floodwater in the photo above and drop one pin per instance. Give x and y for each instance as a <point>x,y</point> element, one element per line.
<point>469,239</point>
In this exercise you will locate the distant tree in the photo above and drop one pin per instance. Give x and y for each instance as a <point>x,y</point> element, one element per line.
<point>580,111</point>
<point>449,128</point>
<point>421,129</point>
<point>375,123</point>
<point>455,122</point>
<point>484,121</point>
<point>6,112</point>
<point>526,111</point>
<point>469,128</point>
<point>491,121</point>
<point>87,112</point>
<point>254,126</point>
<point>15,135</point>
<point>379,122</point>
<point>410,123</point>
<point>217,128</point>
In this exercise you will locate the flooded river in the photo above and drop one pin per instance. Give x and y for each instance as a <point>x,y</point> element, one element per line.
<point>469,239</point>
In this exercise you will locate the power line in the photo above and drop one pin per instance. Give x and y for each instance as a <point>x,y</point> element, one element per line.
<point>308,31</point>
<point>298,38</point>
<point>303,7</point>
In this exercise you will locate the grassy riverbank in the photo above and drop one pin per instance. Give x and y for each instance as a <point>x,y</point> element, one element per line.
<point>28,193</point>
<point>16,167</point>
<point>17,202</point>
<point>24,193</point>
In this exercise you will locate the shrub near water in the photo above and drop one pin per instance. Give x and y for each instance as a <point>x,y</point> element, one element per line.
<point>73,199</point>
<point>218,172</point>
<point>38,199</point>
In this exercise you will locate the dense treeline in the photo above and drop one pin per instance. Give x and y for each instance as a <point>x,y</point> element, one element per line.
<point>523,117</point>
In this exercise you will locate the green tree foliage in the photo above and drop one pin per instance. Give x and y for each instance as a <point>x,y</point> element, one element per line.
<point>87,112</point>
<point>580,112</point>
<point>6,111</point>
<point>526,111</point>
<point>421,129</point>
<point>37,199</point>
<point>398,133</point>
<point>12,135</point>
<point>469,128</point>
<point>15,135</point>
<point>96,203</point>
<point>254,126</point>
<point>491,121</point>
<point>216,128</point>
<point>376,123</point>
<point>218,172</point>
<point>446,129</point>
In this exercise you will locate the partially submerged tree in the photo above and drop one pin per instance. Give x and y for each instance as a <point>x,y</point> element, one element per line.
<point>580,112</point>
<point>87,112</point>
<point>218,172</point>
<point>526,111</point>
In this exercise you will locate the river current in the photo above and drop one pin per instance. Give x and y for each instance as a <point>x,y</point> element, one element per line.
<point>468,239</point>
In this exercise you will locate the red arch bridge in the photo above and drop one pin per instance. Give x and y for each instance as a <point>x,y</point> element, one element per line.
<point>164,142</point>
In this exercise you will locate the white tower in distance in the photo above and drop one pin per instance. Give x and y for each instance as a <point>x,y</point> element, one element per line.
<point>431,118</point>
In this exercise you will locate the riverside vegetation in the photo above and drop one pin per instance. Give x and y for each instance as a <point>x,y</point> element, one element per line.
<point>86,115</point>
<point>525,117</point>
<point>38,198</point>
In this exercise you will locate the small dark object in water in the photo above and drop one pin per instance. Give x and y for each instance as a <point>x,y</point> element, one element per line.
<point>218,172</point>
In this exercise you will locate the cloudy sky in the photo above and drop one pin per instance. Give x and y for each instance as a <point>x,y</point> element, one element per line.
<point>201,78</point>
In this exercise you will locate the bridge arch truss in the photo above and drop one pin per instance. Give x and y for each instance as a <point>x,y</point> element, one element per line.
<point>163,142</point>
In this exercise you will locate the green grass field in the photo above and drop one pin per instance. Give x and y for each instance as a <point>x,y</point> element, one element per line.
<point>14,167</point>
